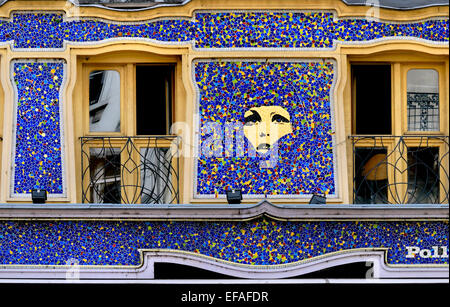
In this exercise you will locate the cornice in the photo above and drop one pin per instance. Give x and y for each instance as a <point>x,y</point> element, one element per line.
<point>214,212</point>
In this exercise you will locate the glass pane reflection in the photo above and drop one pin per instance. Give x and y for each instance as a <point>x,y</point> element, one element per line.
<point>104,101</point>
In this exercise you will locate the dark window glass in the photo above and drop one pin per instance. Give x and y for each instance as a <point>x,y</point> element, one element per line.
<point>154,85</point>
<point>423,175</point>
<point>372,100</point>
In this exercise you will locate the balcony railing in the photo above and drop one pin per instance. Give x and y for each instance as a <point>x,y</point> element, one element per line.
<point>130,170</point>
<point>400,169</point>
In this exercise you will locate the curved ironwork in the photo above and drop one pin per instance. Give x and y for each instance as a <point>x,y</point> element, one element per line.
<point>401,169</point>
<point>130,170</point>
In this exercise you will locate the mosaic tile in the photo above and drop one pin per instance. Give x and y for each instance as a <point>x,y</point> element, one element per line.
<point>302,161</point>
<point>257,242</point>
<point>37,151</point>
<point>244,29</point>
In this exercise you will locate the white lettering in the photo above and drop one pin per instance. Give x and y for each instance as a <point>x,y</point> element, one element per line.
<point>434,252</point>
<point>412,251</point>
<point>200,297</point>
<point>228,296</point>
<point>246,296</point>
<point>425,253</point>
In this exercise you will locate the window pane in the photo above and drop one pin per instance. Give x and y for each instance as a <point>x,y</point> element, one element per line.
<point>372,100</point>
<point>156,179</point>
<point>371,179</point>
<point>423,175</point>
<point>153,99</point>
<point>104,101</point>
<point>423,100</point>
<point>105,175</point>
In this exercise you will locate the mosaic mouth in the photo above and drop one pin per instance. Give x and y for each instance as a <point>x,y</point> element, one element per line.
<point>263,146</point>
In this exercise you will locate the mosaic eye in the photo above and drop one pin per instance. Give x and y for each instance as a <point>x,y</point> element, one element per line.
<point>252,119</point>
<point>277,118</point>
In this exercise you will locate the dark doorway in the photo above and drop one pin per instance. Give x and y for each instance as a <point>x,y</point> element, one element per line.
<point>154,86</point>
<point>179,271</point>
<point>372,99</point>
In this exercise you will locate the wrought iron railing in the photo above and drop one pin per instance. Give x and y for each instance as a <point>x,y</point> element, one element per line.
<point>130,170</point>
<point>400,169</point>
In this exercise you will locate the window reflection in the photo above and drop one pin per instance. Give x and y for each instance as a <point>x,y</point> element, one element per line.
<point>104,101</point>
<point>156,176</point>
<point>104,164</point>
<point>423,100</point>
<point>423,175</point>
<point>371,179</point>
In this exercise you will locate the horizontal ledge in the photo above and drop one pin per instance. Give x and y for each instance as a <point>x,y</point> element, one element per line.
<point>231,281</point>
<point>222,211</point>
<point>146,269</point>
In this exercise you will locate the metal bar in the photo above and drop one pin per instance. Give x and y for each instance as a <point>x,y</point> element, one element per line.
<point>413,166</point>
<point>116,167</point>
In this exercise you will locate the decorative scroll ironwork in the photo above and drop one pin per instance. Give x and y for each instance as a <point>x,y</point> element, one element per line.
<point>130,170</point>
<point>423,111</point>
<point>401,169</point>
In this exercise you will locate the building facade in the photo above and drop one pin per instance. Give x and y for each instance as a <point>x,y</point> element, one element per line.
<point>138,117</point>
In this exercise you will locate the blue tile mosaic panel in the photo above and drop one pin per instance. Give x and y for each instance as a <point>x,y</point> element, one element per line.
<point>301,163</point>
<point>226,29</point>
<point>37,152</point>
<point>271,29</point>
<point>257,242</point>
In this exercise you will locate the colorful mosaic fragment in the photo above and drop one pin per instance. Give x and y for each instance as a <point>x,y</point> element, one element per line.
<point>258,242</point>
<point>38,161</point>
<point>245,29</point>
<point>302,163</point>
<point>37,30</point>
<point>303,30</point>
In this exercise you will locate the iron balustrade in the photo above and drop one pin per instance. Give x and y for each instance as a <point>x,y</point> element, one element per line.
<point>411,169</point>
<point>130,169</point>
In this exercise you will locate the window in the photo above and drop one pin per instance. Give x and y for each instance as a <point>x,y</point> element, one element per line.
<point>423,175</point>
<point>400,148</point>
<point>371,175</point>
<point>372,103</point>
<point>128,154</point>
<point>153,96</point>
<point>104,101</point>
<point>104,171</point>
<point>423,100</point>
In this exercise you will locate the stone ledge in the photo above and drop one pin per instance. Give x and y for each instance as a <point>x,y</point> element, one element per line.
<point>288,212</point>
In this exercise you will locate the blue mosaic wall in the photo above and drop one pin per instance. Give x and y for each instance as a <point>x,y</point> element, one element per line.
<point>304,159</point>
<point>258,242</point>
<point>38,154</point>
<point>247,29</point>
<point>265,29</point>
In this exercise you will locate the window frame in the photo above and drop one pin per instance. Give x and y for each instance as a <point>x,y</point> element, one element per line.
<point>87,69</point>
<point>128,123</point>
<point>439,68</point>
<point>399,122</point>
